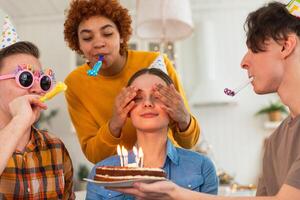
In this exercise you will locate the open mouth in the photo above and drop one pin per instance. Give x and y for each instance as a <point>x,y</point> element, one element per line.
<point>97,56</point>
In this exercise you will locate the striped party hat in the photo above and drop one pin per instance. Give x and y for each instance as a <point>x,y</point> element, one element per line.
<point>9,35</point>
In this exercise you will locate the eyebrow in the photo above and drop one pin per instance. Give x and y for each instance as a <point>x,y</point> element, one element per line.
<point>102,28</point>
<point>139,91</point>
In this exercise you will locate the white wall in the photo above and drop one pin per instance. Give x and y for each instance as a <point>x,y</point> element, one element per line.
<point>235,133</point>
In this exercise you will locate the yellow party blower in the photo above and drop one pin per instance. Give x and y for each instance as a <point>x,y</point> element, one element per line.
<point>59,87</point>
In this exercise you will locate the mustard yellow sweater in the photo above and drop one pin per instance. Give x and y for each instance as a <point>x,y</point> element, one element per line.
<point>91,99</point>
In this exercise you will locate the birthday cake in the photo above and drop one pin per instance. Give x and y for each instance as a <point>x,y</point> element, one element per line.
<point>117,173</point>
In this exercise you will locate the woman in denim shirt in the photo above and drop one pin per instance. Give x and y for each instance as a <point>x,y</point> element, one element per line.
<point>186,168</point>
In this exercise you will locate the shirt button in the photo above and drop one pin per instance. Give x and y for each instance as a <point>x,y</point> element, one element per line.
<point>28,189</point>
<point>189,186</point>
<point>109,194</point>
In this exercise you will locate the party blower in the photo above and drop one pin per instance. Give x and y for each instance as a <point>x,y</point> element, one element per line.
<point>59,87</point>
<point>96,68</point>
<point>233,92</point>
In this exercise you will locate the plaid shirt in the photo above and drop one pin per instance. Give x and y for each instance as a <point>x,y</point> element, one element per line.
<point>43,171</point>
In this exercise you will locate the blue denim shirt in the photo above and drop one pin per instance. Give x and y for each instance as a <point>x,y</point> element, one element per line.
<point>186,168</point>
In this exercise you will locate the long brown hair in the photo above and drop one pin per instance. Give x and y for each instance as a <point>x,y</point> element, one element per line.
<point>153,71</point>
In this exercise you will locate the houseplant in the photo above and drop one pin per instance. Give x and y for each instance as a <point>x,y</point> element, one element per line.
<point>83,172</point>
<point>46,118</point>
<point>274,111</point>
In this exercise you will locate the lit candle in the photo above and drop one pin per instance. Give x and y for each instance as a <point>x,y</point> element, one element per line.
<point>141,157</point>
<point>136,158</point>
<point>120,155</point>
<point>125,155</point>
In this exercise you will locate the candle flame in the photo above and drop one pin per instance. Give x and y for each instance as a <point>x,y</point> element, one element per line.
<point>124,151</point>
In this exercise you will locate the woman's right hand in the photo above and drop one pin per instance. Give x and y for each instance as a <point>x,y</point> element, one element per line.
<point>26,108</point>
<point>161,190</point>
<point>122,107</point>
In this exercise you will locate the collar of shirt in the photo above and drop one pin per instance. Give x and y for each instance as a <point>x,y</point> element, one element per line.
<point>172,153</point>
<point>170,150</point>
<point>36,140</point>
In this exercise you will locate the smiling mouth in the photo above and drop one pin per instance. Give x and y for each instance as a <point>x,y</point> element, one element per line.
<point>149,115</point>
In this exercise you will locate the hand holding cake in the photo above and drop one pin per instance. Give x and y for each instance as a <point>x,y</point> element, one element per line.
<point>59,87</point>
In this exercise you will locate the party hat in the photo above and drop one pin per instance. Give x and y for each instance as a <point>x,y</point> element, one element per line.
<point>9,35</point>
<point>294,8</point>
<point>159,63</point>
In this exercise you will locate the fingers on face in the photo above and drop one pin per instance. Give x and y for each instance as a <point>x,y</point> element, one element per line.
<point>167,91</point>
<point>168,110</point>
<point>168,95</point>
<point>129,107</point>
<point>127,96</point>
<point>161,93</point>
<point>34,100</point>
<point>124,102</point>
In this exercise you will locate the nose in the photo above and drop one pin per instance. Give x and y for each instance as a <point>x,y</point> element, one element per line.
<point>36,88</point>
<point>99,42</point>
<point>245,61</point>
<point>148,102</point>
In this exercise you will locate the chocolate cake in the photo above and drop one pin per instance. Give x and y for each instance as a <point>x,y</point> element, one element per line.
<point>117,173</point>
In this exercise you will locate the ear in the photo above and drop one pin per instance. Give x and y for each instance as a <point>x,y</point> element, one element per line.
<point>289,45</point>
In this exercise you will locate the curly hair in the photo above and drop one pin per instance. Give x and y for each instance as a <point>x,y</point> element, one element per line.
<point>272,21</point>
<point>84,9</point>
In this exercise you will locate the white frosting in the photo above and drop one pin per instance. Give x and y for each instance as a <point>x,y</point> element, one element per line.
<point>132,165</point>
<point>131,168</point>
<point>130,177</point>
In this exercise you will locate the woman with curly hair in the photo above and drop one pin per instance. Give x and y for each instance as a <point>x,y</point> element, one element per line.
<point>99,105</point>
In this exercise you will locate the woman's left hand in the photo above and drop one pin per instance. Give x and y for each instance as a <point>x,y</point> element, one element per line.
<point>173,105</point>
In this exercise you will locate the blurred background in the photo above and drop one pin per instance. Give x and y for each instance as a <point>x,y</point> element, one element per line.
<point>206,42</point>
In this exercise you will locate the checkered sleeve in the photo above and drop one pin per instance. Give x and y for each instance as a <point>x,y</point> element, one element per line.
<point>68,174</point>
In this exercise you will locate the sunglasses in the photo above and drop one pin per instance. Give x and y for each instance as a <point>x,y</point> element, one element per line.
<point>25,77</point>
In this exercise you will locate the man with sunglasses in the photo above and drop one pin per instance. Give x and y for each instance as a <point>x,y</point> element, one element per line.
<point>33,163</point>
